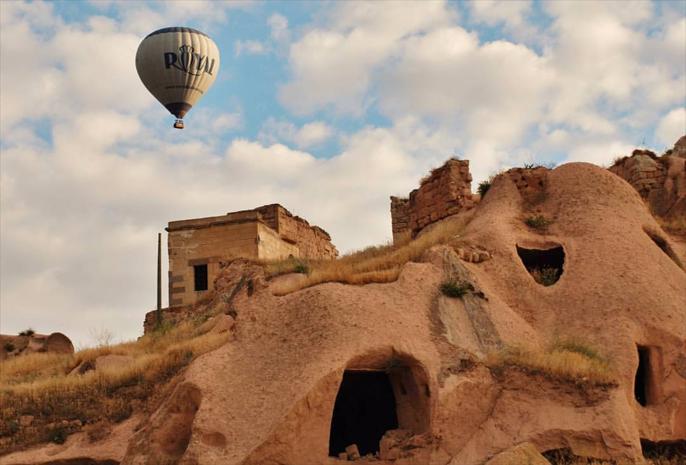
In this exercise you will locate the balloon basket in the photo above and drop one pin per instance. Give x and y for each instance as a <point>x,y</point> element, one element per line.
<point>178,124</point>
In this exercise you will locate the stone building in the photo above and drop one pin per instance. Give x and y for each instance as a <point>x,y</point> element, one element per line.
<point>197,246</point>
<point>446,191</point>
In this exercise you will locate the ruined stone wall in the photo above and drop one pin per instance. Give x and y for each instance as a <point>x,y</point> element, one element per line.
<point>400,219</point>
<point>312,241</point>
<point>270,245</point>
<point>446,191</point>
<point>531,182</point>
<point>643,170</point>
<point>661,181</point>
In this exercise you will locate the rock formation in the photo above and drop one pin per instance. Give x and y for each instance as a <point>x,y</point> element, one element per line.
<point>405,373</point>
<point>31,342</point>
<point>661,181</point>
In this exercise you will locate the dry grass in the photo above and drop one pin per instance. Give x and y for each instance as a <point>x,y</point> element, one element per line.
<point>565,457</point>
<point>569,360</point>
<point>40,384</point>
<point>377,264</point>
<point>676,226</point>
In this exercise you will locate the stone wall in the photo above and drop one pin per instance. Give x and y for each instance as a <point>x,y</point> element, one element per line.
<point>400,219</point>
<point>444,192</point>
<point>312,241</point>
<point>643,170</point>
<point>531,182</point>
<point>267,233</point>
<point>205,243</point>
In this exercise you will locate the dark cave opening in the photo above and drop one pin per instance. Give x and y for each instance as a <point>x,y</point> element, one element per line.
<point>642,379</point>
<point>365,409</point>
<point>544,265</point>
<point>663,449</point>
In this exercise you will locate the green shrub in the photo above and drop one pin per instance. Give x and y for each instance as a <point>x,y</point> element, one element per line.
<point>27,332</point>
<point>546,276</point>
<point>580,347</point>
<point>456,288</point>
<point>301,267</point>
<point>483,187</point>
<point>538,222</point>
<point>58,435</point>
<point>9,347</point>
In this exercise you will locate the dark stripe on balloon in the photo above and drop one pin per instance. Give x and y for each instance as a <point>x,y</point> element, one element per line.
<point>178,109</point>
<point>176,29</point>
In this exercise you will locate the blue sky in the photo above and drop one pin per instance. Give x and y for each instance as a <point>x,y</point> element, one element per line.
<point>326,107</point>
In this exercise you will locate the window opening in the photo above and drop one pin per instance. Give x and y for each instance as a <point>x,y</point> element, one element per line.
<point>642,379</point>
<point>544,265</point>
<point>200,275</point>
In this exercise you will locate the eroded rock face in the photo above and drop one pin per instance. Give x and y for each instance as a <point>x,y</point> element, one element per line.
<point>268,396</point>
<point>661,181</point>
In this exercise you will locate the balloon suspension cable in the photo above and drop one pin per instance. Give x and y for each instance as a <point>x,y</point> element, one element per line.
<point>178,124</point>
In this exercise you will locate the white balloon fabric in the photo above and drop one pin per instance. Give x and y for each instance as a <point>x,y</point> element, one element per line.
<point>177,65</point>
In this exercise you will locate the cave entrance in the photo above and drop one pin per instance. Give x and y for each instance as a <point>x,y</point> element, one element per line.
<point>365,409</point>
<point>645,382</point>
<point>377,395</point>
<point>544,265</point>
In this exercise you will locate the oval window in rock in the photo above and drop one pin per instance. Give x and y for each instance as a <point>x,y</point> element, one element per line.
<point>544,265</point>
<point>371,401</point>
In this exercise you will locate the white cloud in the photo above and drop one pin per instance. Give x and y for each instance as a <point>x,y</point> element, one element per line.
<point>512,13</point>
<point>671,127</point>
<point>333,66</point>
<point>601,153</point>
<point>60,73</point>
<point>496,90</point>
<point>309,135</point>
<point>312,134</point>
<point>278,24</point>
<point>249,47</point>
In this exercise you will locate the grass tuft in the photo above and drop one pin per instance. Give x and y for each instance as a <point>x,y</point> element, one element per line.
<point>484,186</point>
<point>455,289</point>
<point>539,222</point>
<point>547,276</point>
<point>377,264</point>
<point>569,360</point>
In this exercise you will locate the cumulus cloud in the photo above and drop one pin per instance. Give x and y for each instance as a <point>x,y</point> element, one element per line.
<point>600,153</point>
<point>512,13</point>
<point>671,127</point>
<point>278,24</point>
<point>333,66</point>
<point>249,47</point>
<point>309,135</point>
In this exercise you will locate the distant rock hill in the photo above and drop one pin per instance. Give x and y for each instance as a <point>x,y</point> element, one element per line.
<point>30,342</point>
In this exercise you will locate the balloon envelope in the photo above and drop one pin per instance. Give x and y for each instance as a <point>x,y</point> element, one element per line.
<point>177,65</point>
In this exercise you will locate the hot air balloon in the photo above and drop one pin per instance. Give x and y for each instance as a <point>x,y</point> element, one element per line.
<point>177,65</point>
